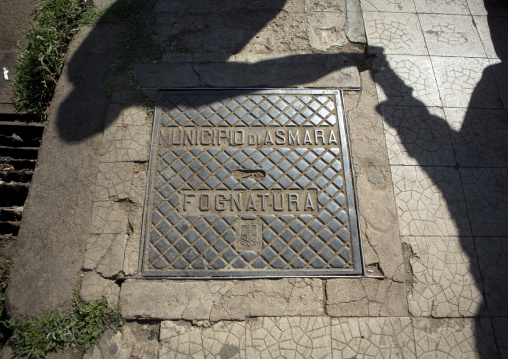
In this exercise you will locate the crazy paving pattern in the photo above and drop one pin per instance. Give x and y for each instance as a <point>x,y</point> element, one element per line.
<point>445,278</point>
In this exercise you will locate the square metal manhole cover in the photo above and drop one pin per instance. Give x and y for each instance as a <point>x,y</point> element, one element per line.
<point>249,183</point>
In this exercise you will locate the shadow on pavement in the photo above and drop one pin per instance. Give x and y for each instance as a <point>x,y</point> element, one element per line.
<point>479,150</point>
<point>219,28</point>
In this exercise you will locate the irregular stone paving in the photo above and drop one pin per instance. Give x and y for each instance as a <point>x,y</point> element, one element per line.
<point>458,77</point>
<point>394,34</point>
<point>413,137</point>
<point>373,338</point>
<point>487,193</point>
<point>113,181</point>
<point>181,340</point>
<point>493,262</point>
<point>125,144</point>
<point>479,136</point>
<point>415,72</point>
<point>442,7</point>
<point>451,34</point>
<point>110,249</point>
<point>132,341</point>
<point>108,218</point>
<point>445,279</point>
<point>454,338</point>
<point>304,337</point>
<point>122,117</point>
<point>424,210</point>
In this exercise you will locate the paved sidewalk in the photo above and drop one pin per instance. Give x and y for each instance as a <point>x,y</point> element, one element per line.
<point>440,72</point>
<point>428,129</point>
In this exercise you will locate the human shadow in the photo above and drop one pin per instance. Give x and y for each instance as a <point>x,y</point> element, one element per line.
<point>465,154</point>
<point>219,28</point>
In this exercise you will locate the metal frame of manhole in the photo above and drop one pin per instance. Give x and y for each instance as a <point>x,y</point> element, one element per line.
<point>250,183</point>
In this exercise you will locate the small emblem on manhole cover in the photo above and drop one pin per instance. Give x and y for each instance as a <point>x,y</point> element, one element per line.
<point>250,183</point>
<point>249,235</point>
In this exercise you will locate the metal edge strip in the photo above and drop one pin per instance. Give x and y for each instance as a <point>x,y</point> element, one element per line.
<point>148,191</point>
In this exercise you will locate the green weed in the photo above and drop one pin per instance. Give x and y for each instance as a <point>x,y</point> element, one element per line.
<point>40,63</point>
<point>38,336</point>
<point>5,271</point>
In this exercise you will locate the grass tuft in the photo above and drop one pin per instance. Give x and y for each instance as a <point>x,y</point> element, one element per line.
<point>38,336</point>
<point>5,271</point>
<point>40,63</point>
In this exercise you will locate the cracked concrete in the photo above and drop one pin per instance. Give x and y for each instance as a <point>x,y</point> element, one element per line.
<point>365,297</point>
<point>221,300</point>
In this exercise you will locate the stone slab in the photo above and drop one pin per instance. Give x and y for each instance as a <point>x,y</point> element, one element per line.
<point>386,337</point>
<point>447,35</point>
<point>388,6</point>
<point>257,27</point>
<point>455,7</point>
<point>299,70</point>
<point>454,338</point>
<point>492,258</point>
<point>94,287</point>
<point>355,28</point>
<point>307,337</point>
<point>378,212</point>
<point>446,277</point>
<point>234,192</point>
<point>365,297</point>
<point>467,82</point>
<point>220,300</point>
<point>182,340</point>
<point>105,253</point>
<point>131,341</point>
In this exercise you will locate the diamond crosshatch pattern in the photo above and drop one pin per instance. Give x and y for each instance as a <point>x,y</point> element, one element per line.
<point>325,242</point>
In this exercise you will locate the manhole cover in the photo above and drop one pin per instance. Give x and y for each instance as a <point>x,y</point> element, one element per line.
<point>250,183</point>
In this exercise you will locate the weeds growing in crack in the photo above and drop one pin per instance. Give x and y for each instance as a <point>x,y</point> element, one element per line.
<point>80,329</point>
<point>5,271</point>
<point>55,22</point>
<point>40,63</point>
